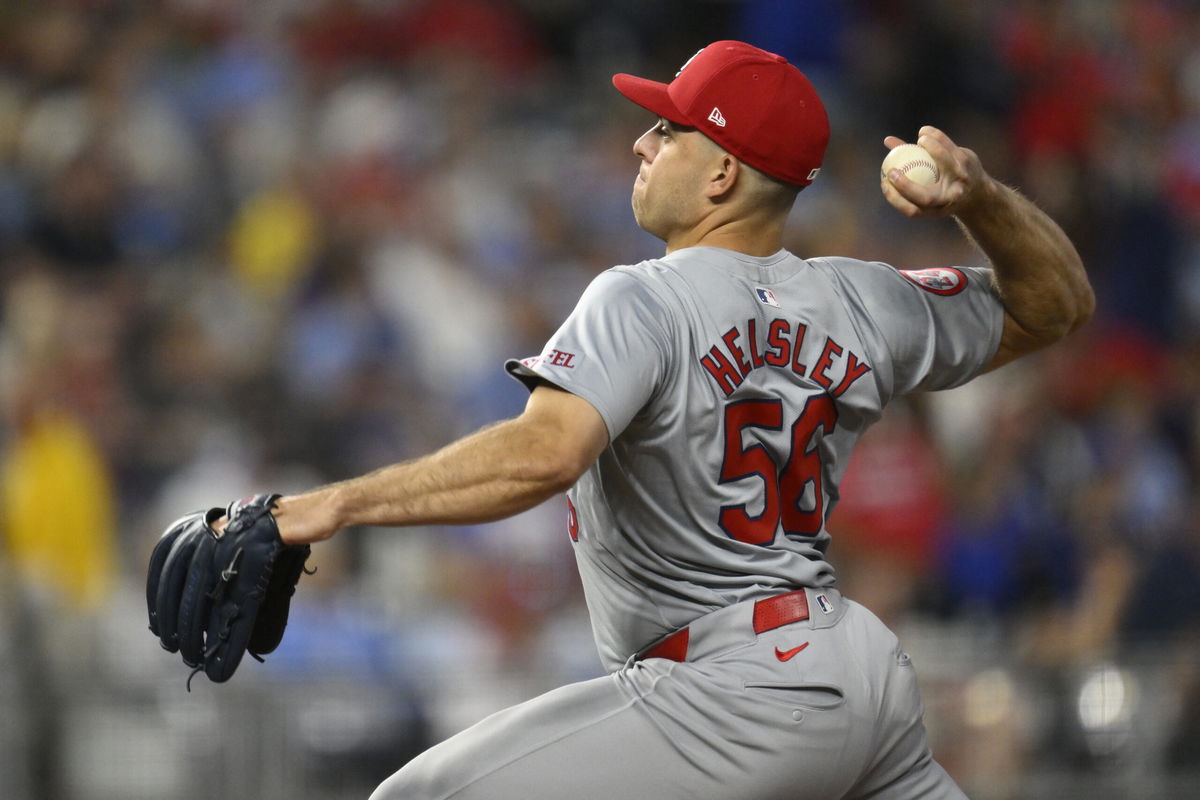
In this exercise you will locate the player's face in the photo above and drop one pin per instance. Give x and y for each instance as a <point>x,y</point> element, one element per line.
<point>667,191</point>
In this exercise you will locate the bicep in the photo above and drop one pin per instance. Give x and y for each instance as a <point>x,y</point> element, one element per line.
<point>937,327</point>
<point>571,431</point>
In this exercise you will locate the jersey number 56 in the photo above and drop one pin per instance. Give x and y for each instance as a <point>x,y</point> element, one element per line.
<point>784,487</point>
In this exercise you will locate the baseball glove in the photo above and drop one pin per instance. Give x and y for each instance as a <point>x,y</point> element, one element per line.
<point>214,597</point>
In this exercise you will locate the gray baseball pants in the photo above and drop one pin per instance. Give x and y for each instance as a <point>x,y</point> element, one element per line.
<point>820,709</point>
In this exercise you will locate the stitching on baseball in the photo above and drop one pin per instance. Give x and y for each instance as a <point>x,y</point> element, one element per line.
<point>921,163</point>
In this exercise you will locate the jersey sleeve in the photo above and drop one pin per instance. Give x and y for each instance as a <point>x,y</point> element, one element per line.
<point>940,326</point>
<point>612,350</point>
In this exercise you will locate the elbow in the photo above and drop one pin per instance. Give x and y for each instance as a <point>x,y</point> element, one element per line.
<point>1074,314</point>
<point>1082,296</point>
<point>1050,318</point>
<point>1085,307</point>
<point>562,467</point>
<point>560,482</point>
<point>1076,304</point>
<point>549,476</point>
<point>554,465</point>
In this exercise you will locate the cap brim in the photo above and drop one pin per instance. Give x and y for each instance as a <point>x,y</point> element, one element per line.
<point>650,95</point>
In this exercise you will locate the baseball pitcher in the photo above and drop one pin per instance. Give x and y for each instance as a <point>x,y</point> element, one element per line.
<point>699,410</point>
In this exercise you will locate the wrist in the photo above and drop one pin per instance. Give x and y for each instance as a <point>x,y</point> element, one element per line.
<point>335,506</point>
<point>982,201</point>
<point>312,516</point>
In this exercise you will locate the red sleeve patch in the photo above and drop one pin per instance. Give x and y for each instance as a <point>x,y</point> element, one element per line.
<point>939,280</point>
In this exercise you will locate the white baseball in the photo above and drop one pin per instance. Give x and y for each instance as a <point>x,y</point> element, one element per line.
<point>913,161</point>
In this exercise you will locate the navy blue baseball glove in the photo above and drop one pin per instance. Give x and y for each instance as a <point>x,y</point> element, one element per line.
<point>214,597</point>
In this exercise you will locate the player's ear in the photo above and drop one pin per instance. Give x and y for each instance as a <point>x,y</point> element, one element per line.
<point>723,176</point>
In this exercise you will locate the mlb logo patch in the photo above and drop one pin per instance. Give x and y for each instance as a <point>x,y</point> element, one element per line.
<point>766,296</point>
<point>824,603</point>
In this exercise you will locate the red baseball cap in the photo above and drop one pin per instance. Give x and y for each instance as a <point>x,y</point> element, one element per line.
<point>753,103</point>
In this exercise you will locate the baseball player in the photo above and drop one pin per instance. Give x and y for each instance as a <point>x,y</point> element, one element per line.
<point>699,410</point>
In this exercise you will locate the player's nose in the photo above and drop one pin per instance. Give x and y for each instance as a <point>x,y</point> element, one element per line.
<point>644,148</point>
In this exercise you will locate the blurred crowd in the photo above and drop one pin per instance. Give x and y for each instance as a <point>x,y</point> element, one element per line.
<point>259,246</point>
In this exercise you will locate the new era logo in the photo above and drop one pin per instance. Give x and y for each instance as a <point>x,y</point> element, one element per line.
<point>715,116</point>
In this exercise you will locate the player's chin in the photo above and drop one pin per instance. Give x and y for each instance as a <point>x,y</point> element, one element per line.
<point>643,214</point>
<point>642,220</point>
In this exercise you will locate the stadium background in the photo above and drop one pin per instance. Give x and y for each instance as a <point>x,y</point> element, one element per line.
<point>251,246</point>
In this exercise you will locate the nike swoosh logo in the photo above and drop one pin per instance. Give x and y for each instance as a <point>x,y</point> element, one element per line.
<point>786,655</point>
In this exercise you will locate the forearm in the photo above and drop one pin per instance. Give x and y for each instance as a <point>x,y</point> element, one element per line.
<point>494,473</point>
<point>489,475</point>
<point>1039,275</point>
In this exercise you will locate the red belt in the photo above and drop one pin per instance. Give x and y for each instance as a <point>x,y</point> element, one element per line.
<point>769,613</point>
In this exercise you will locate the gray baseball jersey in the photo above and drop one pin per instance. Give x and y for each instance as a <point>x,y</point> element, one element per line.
<point>733,389</point>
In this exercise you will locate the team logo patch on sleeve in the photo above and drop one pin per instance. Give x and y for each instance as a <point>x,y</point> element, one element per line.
<point>553,358</point>
<point>939,280</point>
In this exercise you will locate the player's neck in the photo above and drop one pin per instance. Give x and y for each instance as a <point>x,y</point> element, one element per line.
<point>742,236</point>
